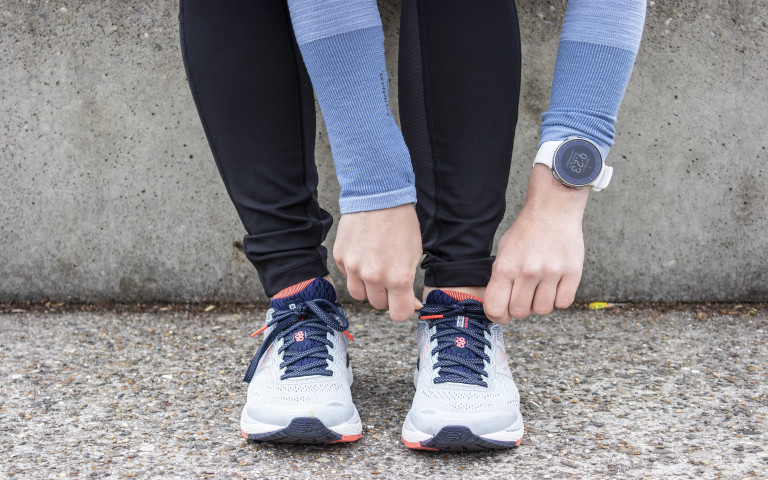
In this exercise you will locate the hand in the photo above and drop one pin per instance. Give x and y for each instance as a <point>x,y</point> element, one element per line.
<point>540,258</point>
<point>378,252</point>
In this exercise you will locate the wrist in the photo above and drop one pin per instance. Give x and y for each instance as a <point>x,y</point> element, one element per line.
<point>547,195</point>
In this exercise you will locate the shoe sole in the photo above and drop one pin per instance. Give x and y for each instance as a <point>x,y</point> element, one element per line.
<point>302,430</point>
<point>457,438</point>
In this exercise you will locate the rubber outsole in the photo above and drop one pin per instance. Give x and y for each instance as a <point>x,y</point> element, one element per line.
<point>460,439</point>
<point>302,430</point>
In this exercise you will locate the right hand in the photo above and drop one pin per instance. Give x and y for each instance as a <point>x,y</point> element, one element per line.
<point>378,251</point>
<point>540,258</point>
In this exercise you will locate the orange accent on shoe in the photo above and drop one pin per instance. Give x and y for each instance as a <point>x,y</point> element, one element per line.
<point>517,443</point>
<point>293,289</point>
<point>348,438</point>
<point>461,296</point>
<point>430,317</point>
<point>417,446</point>
<point>258,331</point>
<point>348,336</point>
<point>245,435</point>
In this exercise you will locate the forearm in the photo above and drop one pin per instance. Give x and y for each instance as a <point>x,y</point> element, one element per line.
<point>540,258</point>
<point>597,51</point>
<point>342,44</point>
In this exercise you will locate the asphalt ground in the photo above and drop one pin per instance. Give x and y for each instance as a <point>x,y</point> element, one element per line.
<point>156,392</point>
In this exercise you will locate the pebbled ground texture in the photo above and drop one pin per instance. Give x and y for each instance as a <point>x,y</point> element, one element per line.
<point>156,392</point>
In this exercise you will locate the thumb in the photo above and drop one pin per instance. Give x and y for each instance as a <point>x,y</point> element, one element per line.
<point>417,303</point>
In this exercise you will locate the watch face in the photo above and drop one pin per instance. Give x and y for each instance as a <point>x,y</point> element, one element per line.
<point>578,162</point>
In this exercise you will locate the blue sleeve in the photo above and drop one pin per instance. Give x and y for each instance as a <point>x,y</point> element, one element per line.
<point>342,43</point>
<point>597,51</point>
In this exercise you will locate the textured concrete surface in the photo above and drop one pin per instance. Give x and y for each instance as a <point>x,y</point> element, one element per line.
<point>110,191</point>
<point>156,392</point>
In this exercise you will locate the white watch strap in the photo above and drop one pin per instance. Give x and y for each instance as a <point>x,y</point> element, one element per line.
<point>546,153</point>
<point>604,179</point>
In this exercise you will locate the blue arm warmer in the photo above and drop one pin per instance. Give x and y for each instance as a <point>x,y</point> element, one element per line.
<point>598,46</point>
<point>342,43</point>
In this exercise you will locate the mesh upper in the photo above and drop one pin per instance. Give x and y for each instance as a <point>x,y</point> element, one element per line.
<point>274,401</point>
<point>453,399</point>
<point>481,409</point>
<point>306,391</point>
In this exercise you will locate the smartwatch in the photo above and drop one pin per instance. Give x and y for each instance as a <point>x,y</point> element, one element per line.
<point>576,163</point>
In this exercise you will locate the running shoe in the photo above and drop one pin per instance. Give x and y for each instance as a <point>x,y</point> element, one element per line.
<point>300,378</point>
<point>465,397</point>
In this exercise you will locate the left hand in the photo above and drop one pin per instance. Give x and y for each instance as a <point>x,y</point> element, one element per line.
<point>540,258</point>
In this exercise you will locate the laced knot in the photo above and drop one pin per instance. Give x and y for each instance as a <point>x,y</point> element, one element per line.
<point>467,320</point>
<point>316,318</point>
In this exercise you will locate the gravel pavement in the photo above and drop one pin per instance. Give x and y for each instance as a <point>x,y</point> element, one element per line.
<point>156,392</point>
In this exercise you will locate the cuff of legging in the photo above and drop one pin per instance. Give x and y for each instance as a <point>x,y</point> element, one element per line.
<point>465,273</point>
<point>293,274</point>
<point>378,201</point>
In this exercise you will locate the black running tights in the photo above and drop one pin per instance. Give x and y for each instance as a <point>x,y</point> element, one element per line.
<point>459,84</point>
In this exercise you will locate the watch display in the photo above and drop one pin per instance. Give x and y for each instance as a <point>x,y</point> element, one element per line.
<point>577,162</point>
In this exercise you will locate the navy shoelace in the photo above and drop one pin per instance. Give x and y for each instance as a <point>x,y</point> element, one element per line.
<point>316,318</point>
<point>465,320</point>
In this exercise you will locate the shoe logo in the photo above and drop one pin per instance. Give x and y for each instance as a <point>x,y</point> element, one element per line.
<point>462,322</point>
<point>299,336</point>
<point>461,342</point>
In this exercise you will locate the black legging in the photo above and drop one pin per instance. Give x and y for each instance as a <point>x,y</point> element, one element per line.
<point>459,84</point>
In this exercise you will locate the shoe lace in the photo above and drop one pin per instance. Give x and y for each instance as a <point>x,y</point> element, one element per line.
<point>318,317</point>
<point>454,368</point>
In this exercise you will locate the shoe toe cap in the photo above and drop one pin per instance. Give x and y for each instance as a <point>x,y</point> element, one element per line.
<point>431,421</point>
<point>331,413</point>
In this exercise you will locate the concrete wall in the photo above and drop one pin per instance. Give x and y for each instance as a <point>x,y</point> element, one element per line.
<point>110,192</point>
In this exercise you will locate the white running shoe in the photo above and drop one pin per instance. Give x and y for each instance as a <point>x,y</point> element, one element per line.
<point>465,396</point>
<point>300,378</point>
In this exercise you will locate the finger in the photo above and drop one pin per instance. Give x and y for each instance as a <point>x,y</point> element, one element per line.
<point>496,304</point>
<point>544,297</point>
<point>377,296</point>
<point>522,297</point>
<point>402,304</point>
<point>566,289</point>
<point>356,287</point>
<point>339,259</point>
<point>342,269</point>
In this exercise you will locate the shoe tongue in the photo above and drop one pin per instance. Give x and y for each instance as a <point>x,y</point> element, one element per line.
<point>313,289</point>
<point>450,297</point>
<point>316,288</point>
